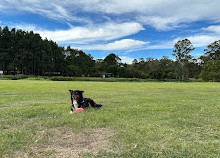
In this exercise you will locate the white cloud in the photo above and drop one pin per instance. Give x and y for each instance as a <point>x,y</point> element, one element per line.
<point>105,32</point>
<point>25,27</point>
<point>196,40</point>
<point>211,34</point>
<point>161,14</point>
<point>213,28</point>
<point>63,11</point>
<point>126,59</point>
<point>161,23</point>
<point>124,44</point>
<point>203,40</point>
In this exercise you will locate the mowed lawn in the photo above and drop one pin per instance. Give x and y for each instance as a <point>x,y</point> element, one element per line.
<point>138,119</point>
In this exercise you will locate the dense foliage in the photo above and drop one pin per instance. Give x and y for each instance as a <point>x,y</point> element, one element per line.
<point>23,52</point>
<point>211,71</point>
<point>26,53</point>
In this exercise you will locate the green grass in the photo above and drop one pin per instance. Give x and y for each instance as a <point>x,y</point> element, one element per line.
<point>148,119</point>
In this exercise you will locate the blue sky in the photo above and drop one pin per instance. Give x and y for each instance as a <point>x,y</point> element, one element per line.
<point>129,28</point>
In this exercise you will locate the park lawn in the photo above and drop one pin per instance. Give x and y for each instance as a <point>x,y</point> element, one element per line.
<point>138,119</point>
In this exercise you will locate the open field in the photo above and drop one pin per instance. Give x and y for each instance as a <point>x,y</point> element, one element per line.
<point>137,119</point>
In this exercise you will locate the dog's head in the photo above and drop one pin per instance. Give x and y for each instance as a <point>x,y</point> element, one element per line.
<point>76,95</point>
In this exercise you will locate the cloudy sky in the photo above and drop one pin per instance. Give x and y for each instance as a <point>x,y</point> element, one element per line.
<point>129,28</point>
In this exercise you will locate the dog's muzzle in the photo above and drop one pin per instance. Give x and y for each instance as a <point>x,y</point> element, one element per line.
<point>76,97</point>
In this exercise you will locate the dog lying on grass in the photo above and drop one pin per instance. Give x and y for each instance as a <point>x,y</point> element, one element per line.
<point>79,102</point>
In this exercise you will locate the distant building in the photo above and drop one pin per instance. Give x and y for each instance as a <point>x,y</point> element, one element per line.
<point>107,75</point>
<point>196,61</point>
<point>1,72</point>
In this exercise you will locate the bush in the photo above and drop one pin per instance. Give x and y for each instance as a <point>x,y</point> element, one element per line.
<point>211,71</point>
<point>94,79</point>
<point>15,77</point>
<point>61,78</point>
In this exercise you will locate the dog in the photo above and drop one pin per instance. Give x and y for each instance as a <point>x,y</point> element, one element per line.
<point>79,102</point>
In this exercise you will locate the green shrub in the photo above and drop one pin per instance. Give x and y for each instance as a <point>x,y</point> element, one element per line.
<point>15,77</point>
<point>211,71</point>
<point>61,78</point>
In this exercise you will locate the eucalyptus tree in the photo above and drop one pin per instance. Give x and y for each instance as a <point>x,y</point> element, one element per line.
<point>182,52</point>
<point>213,51</point>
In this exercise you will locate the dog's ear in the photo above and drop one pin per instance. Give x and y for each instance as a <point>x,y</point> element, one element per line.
<point>81,92</point>
<point>71,91</point>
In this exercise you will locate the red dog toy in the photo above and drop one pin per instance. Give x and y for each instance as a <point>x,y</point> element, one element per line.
<point>79,110</point>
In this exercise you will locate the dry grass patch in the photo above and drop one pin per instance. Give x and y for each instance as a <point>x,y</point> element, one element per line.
<point>63,142</point>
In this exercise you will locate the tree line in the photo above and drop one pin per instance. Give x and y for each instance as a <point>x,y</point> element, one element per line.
<point>25,52</point>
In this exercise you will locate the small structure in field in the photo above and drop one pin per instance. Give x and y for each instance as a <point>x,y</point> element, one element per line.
<point>1,72</point>
<point>107,75</point>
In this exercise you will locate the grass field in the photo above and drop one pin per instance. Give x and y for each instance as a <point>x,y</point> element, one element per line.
<point>137,119</point>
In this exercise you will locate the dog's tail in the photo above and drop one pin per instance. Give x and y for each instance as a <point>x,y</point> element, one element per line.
<point>93,104</point>
<point>97,105</point>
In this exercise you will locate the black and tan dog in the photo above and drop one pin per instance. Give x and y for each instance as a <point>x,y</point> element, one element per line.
<point>79,102</point>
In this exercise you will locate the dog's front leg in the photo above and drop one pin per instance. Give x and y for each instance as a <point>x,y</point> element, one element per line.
<point>75,104</point>
<point>71,110</point>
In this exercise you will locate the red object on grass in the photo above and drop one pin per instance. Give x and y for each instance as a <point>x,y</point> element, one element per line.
<point>79,110</point>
